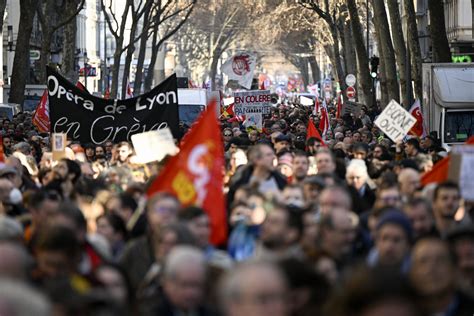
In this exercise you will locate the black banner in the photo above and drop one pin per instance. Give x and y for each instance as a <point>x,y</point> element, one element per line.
<point>90,119</point>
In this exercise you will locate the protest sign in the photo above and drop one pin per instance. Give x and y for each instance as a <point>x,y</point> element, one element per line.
<point>351,108</point>
<point>395,121</point>
<point>306,101</point>
<point>253,119</point>
<point>461,171</point>
<point>58,141</point>
<point>89,119</point>
<point>154,145</point>
<point>255,101</point>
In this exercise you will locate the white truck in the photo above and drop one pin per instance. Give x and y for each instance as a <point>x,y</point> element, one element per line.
<point>448,101</point>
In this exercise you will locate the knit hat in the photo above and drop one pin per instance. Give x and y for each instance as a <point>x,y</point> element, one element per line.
<point>396,217</point>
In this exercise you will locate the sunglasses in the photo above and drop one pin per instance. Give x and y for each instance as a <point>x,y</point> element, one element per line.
<point>227,134</point>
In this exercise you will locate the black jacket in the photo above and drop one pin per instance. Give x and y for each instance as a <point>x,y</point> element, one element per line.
<point>242,177</point>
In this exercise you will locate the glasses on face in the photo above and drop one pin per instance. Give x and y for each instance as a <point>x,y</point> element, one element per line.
<point>164,210</point>
<point>387,199</point>
<point>227,134</point>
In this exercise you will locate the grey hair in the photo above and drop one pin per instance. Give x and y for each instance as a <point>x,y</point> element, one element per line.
<point>22,300</point>
<point>182,256</point>
<point>358,164</point>
<point>230,284</point>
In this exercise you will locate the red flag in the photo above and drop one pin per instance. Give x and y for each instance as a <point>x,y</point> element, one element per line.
<point>313,132</point>
<point>418,129</point>
<point>81,86</point>
<point>229,111</point>
<point>41,117</point>
<point>107,93</point>
<point>195,174</point>
<point>339,106</point>
<point>440,170</point>
<point>129,92</point>
<point>324,122</point>
<point>438,174</point>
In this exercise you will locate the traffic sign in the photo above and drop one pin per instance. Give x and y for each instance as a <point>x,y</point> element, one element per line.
<point>35,54</point>
<point>351,92</point>
<point>351,80</point>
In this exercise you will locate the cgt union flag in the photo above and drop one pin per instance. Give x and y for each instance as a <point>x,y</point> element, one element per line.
<point>419,128</point>
<point>41,116</point>
<point>240,68</point>
<point>195,174</point>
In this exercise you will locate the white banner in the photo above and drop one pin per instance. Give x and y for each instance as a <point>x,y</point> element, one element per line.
<point>241,68</point>
<point>255,101</point>
<point>395,121</point>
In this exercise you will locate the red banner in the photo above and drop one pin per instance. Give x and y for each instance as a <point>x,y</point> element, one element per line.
<point>195,174</point>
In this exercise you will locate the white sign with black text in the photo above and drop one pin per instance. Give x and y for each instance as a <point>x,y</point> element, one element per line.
<point>395,121</point>
<point>255,101</point>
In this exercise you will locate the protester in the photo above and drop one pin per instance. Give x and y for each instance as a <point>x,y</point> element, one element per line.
<point>305,208</point>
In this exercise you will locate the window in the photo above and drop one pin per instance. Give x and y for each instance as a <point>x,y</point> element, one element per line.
<point>459,126</point>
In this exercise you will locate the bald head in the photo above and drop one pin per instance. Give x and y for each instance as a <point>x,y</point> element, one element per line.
<point>15,261</point>
<point>409,180</point>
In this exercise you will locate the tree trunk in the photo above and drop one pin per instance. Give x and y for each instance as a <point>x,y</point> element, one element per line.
<point>3,5</point>
<point>21,69</point>
<point>364,78</point>
<point>303,68</point>
<point>381,26</point>
<point>329,50</point>
<point>69,51</point>
<point>342,43</point>
<point>439,39</point>
<point>400,50</point>
<point>46,14</point>
<point>349,50</point>
<point>116,70</point>
<point>128,59</point>
<point>141,54</point>
<point>337,59</point>
<point>414,46</point>
<point>45,52</point>
<point>313,63</point>
<point>154,54</point>
<point>384,99</point>
<point>213,69</point>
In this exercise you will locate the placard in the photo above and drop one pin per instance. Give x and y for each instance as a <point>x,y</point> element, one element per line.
<point>58,141</point>
<point>351,107</point>
<point>89,119</point>
<point>255,101</point>
<point>154,145</point>
<point>306,101</point>
<point>253,119</point>
<point>461,171</point>
<point>395,121</point>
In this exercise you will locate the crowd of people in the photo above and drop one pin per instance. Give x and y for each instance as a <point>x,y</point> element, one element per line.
<point>340,226</point>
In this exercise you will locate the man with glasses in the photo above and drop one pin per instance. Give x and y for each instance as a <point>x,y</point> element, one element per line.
<point>388,195</point>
